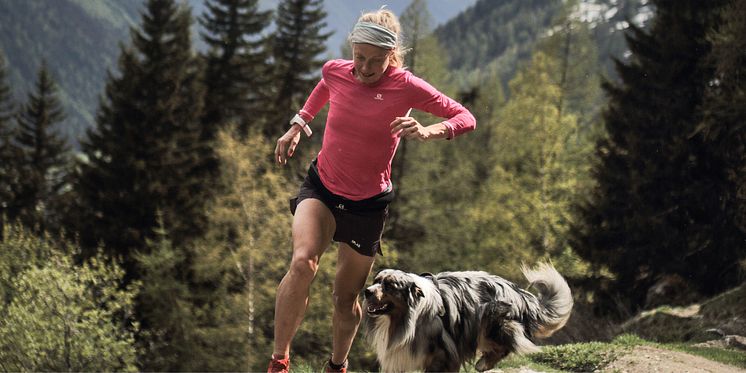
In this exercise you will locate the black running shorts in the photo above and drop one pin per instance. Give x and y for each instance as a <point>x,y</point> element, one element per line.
<point>359,223</point>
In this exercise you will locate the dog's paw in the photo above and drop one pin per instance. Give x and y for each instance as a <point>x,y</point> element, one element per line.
<point>488,359</point>
<point>483,364</point>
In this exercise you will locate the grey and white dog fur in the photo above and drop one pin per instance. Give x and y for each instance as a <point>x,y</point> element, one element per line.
<point>437,323</point>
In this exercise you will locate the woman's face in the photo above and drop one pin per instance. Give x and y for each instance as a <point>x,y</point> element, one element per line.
<point>370,62</point>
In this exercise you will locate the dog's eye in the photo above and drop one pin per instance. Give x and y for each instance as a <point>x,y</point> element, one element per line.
<point>393,285</point>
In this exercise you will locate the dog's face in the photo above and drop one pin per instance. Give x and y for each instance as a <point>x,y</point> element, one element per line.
<point>392,292</point>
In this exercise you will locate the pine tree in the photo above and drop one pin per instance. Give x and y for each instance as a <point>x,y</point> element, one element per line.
<point>296,45</point>
<point>164,306</point>
<point>650,212</point>
<point>7,108</point>
<point>236,76</point>
<point>146,152</point>
<point>9,153</point>
<point>45,152</point>
<point>415,23</point>
<point>723,134</point>
<point>577,72</point>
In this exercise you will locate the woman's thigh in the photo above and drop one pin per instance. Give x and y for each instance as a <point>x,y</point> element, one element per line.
<point>313,228</point>
<point>353,269</point>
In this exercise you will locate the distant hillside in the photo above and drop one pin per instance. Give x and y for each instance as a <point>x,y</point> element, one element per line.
<point>491,28</point>
<point>79,39</point>
<point>504,32</point>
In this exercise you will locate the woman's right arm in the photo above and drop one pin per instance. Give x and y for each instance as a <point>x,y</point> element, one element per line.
<point>286,143</point>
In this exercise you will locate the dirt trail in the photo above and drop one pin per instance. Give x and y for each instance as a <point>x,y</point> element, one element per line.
<point>646,359</point>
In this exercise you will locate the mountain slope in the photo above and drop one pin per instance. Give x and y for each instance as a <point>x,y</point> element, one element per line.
<point>504,32</point>
<point>487,30</point>
<point>78,38</point>
<point>81,41</point>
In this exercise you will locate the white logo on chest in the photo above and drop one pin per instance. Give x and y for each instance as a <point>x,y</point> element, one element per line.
<point>378,97</point>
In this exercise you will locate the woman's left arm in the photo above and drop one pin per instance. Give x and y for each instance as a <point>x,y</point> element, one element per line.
<point>426,98</point>
<point>410,128</point>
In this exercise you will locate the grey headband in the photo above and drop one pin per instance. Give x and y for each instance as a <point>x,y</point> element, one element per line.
<point>374,34</point>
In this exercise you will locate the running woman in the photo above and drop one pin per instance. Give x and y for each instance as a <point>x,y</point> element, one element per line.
<point>346,194</point>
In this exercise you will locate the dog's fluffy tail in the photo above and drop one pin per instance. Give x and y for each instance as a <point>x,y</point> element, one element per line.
<point>554,297</point>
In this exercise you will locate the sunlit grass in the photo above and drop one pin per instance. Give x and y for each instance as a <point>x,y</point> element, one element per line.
<point>578,357</point>
<point>730,357</point>
<point>517,362</point>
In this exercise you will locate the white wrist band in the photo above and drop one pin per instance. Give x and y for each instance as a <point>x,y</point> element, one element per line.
<point>302,123</point>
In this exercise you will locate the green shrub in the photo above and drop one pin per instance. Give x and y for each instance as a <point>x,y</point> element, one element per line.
<point>60,316</point>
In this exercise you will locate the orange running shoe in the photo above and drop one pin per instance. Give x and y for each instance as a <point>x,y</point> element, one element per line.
<point>279,365</point>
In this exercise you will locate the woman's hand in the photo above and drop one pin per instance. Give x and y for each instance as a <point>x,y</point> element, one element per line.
<point>286,144</point>
<point>410,128</point>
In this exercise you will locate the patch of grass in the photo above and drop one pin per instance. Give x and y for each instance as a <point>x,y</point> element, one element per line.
<point>584,357</point>
<point>312,365</point>
<point>628,341</point>
<point>517,362</point>
<point>730,357</point>
<point>578,357</point>
<point>302,367</point>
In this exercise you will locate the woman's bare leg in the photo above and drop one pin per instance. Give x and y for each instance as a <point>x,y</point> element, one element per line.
<point>352,272</point>
<point>313,229</point>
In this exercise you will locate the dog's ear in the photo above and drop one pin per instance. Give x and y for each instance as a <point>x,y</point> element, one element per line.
<point>416,292</point>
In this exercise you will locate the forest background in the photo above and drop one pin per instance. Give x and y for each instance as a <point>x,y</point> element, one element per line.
<point>610,140</point>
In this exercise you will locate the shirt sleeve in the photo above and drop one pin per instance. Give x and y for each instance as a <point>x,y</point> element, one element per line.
<point>318,98</point>
<point>459,120</point>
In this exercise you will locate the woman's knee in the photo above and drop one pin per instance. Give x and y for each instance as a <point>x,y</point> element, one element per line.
<point>345,300</point>
<point>304,266</point>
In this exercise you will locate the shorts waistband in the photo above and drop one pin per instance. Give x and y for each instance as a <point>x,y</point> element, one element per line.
<point>375,203</point>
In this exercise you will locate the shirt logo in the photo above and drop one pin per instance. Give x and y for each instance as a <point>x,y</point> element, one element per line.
<point>378,97</point>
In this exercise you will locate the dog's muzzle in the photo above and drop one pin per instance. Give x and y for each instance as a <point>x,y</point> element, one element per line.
<point>374,303</point>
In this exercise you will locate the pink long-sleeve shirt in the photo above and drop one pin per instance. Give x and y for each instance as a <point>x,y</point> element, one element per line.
<point>358,146</point>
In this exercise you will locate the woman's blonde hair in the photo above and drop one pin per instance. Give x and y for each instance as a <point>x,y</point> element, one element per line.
<point>388,19</point>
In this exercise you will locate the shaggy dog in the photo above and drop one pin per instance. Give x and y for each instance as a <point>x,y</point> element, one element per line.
<point>437,323</point>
